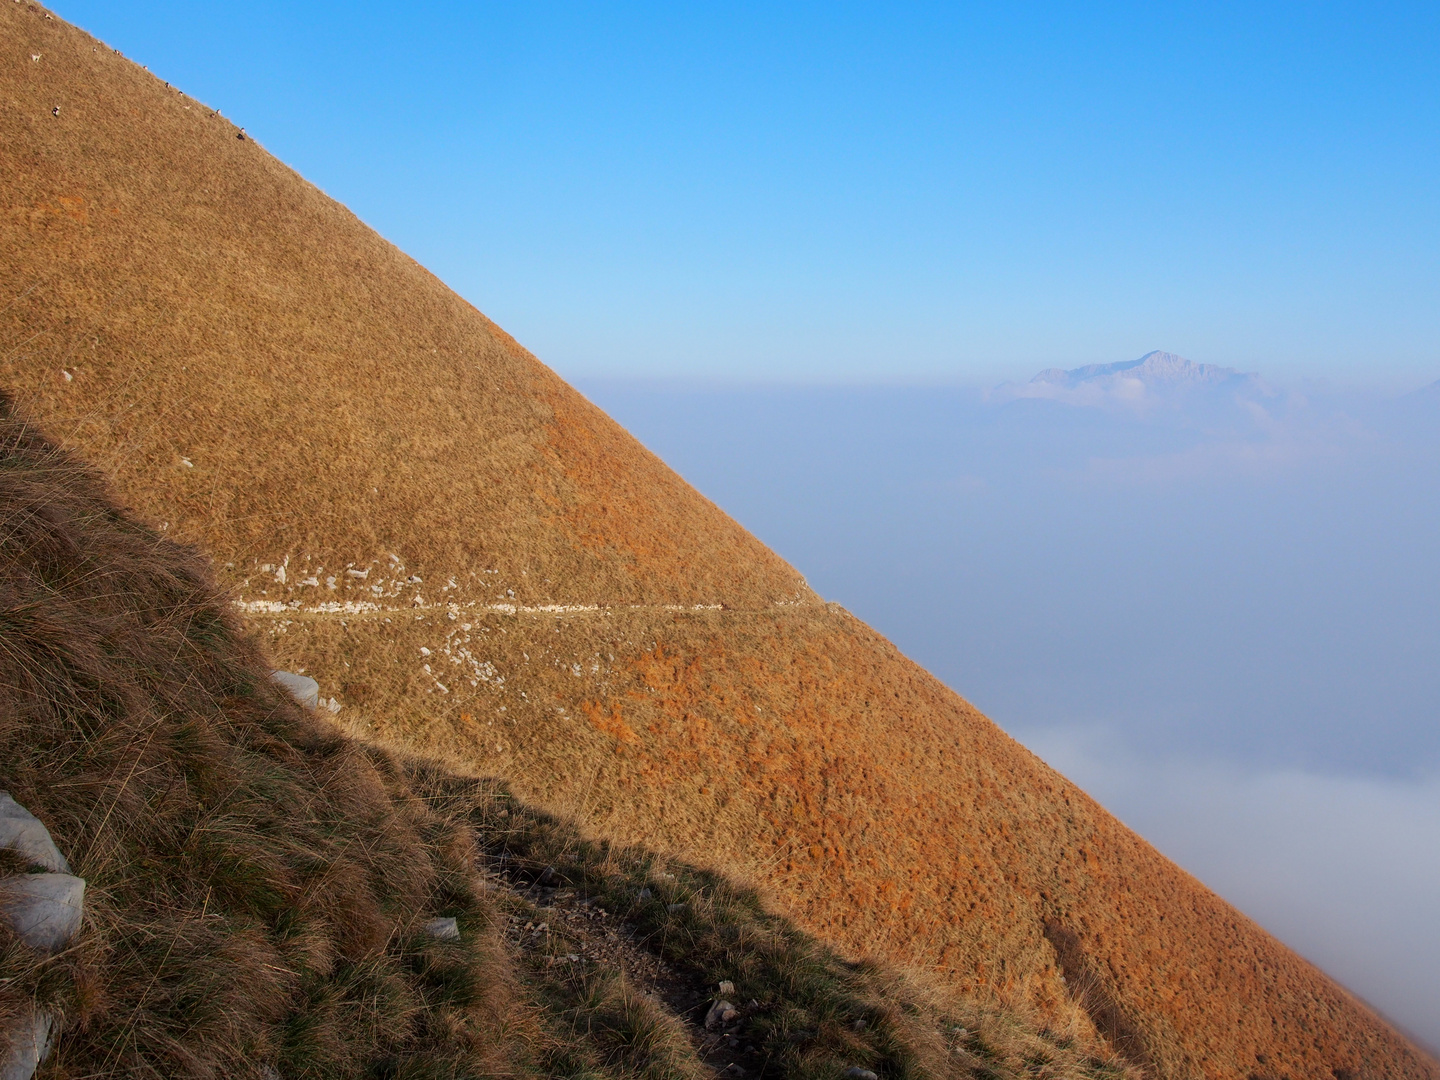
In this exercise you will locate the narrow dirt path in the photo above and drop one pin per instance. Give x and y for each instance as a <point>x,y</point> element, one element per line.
<point>559,927</point>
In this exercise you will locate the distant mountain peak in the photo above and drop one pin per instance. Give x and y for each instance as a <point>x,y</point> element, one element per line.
<point>1154,368</point>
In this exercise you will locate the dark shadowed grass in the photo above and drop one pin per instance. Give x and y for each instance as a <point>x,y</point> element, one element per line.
<point>256,883</point>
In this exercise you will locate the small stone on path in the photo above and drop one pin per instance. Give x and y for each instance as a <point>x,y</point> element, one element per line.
<point>720,1014</point>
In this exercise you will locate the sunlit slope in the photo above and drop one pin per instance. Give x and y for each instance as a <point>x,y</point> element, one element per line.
<point>476,562</point>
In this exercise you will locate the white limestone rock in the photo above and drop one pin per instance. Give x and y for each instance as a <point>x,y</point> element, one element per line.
<point>29,1044</point>
<point>23,832</point>
<point>302,688</point>
<point>45,910</point>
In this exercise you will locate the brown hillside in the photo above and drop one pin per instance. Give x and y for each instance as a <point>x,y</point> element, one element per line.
<point>262,893</point>
<point>476,562</point>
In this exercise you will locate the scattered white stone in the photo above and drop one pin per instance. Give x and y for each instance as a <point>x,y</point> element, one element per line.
<point>443,929</point>
<point>23,832</point>
<point>45,910</point>
<point>302,688</point>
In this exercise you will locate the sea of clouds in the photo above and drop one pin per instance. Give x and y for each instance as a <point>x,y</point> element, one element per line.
<point>1344,868</point>
<point>1211,600</point>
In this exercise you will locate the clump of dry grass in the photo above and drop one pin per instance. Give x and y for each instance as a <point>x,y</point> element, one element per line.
<point>600,1023</point>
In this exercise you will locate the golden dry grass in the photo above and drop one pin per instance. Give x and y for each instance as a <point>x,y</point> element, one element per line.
<point>263,376</point>
<point>259,885</point>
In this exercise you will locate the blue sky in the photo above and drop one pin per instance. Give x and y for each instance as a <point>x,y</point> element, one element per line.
<point>862,193</point>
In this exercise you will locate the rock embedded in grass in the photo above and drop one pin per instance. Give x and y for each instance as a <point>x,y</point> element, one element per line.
<point>302,688</point>
<point>24,833</point>
<point>29,1040</point>
<point>443,929</point>
<point>45,910</point>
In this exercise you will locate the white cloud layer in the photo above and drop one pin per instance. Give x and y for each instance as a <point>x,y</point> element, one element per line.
<point>1238,580</point>
<point>1345,870</point>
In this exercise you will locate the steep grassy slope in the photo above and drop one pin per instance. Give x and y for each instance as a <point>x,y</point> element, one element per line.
<point>259,885</point>
<point>477,563</point>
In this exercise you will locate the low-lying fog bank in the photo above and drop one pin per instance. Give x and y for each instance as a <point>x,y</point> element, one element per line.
<point>1211,600</point>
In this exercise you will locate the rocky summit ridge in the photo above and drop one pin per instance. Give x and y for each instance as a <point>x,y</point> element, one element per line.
<point>477,565</point>
<point>1155,368</point>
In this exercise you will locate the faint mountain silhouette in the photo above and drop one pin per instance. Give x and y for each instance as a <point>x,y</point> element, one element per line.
<point>1155,368</point>
<point>1155,378</point>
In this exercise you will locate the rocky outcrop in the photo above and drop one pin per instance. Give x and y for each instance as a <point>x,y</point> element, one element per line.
<point>45,909</point>
<point>302,688</point>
